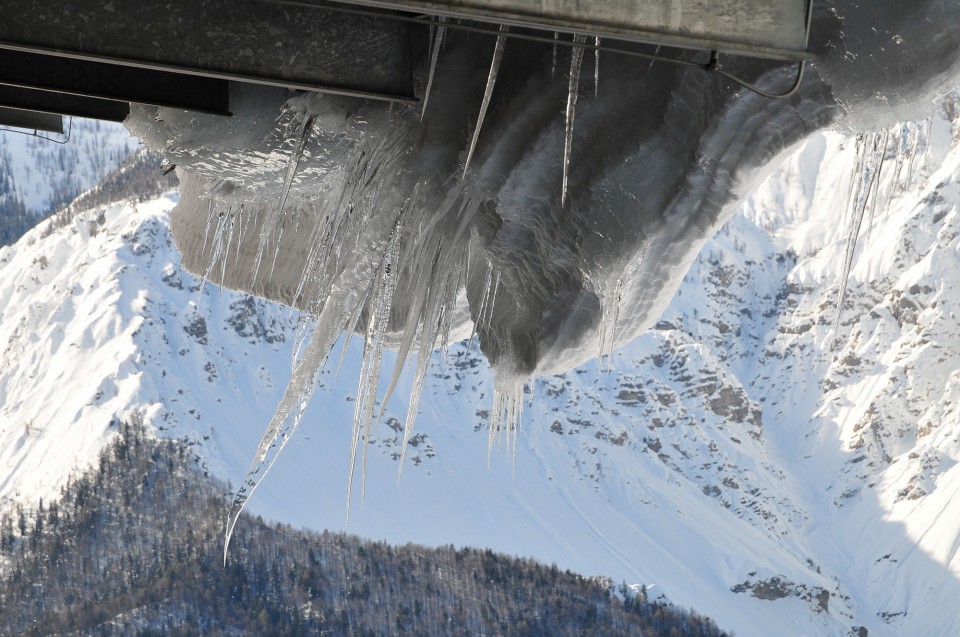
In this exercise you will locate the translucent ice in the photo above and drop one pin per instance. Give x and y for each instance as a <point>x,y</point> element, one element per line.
<point>576,59</point>
<point>543,252</point>
<point>487,95</point>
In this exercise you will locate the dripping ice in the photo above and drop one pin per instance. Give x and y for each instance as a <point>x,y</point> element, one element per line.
<point>487,94</point>
<point>871,158</point>
<point>436,44</point>
<point>576,59</point>
<point>418,226</point>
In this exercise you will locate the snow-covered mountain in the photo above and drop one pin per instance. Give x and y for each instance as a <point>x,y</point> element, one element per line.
<point>53,169</point>
<point>40,172</point>
<point>744,458</point>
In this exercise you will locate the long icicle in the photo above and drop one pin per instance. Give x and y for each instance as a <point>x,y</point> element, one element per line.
<point>553,65</point>
<point>284,423</point>
<point>215,251</point>
<point>487,93</point>
<point>865,176</point>
<point>434,56</point>
<point>346,271</point>
<point>576,59</point>
<point>596,67</point>
<point>274,218</point>
<point>379,320</point>
<point>881,143</point>
<point>292,167</point>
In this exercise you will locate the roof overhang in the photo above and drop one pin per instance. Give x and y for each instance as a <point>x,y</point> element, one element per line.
<point>92,58</point>
<point>768,28</point>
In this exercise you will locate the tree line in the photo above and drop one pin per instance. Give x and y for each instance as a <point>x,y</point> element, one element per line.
<point>134,547</point>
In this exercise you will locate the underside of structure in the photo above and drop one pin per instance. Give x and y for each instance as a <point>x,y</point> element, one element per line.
<point>91,59</point>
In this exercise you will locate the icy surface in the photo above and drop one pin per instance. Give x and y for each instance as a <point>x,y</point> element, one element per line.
<point>544,235</point>
<point>654,167</point>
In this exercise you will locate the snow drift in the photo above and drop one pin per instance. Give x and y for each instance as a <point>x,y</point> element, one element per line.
<point>550,215</point>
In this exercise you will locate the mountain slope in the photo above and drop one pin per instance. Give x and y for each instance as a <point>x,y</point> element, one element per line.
<point>110,325</point>
<point>743,457</point>
<point>39,174</point>
<point>150,523</point>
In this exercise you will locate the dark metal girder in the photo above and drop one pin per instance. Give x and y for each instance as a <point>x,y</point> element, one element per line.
<point>63,104</point>
<point>114,82</point>
<point>311,48</point>
<point>31,120</point>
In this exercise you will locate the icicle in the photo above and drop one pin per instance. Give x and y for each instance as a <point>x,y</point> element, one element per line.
<point>553,65</point>
<point>449,307</point>
<point>273,224</point>
<point>491,284</point>
<point>487,93</point>
<point>301,337</point>
<point>285,420</point>
<point>236,259</point>
<point>206,230</point>
<point>226,247</point>
<point>863,191</point>
<point>923,141</point>
<point>420,319</point>
<point>610,314</point>
<point>435,54</point>
<point>443,295</point>
<point>492,301</point>
<point>576,58</point>
<point>902,145</point>
<point>506,415</point>
<point>596,67</point>
<point>216,250</point>
<point>378,323</point>
<point>880,146</point>
<point>487,284</point>
<point>330,323</point>
<point>292,166</point>
<point>348,284</point>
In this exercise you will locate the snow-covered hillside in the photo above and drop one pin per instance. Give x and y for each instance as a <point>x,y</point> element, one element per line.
<point>743,458</point>
<point>44,174</point>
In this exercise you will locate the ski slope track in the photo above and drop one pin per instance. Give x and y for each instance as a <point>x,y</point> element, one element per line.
<point>742,457</point>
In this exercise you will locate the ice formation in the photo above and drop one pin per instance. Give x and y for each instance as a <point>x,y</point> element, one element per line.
<point>905,142</point>
<point>552,238</point>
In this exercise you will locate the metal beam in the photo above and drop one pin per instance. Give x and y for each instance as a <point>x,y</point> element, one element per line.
<point>31,120</point>
<point>114,82</point>
<point>63,104</point>
<point>305,47</point>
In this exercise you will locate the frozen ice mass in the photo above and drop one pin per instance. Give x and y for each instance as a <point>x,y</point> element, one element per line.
<point>550,213</point>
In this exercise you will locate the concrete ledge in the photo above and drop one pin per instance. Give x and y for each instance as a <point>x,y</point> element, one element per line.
<point>775,28</point>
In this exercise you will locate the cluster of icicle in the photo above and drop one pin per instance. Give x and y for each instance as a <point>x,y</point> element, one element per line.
<point>906,144</point>
<point>415,235</point>
<point>351,275</point>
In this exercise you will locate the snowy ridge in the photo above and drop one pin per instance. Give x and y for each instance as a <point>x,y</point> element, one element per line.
<point>729,458</point>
